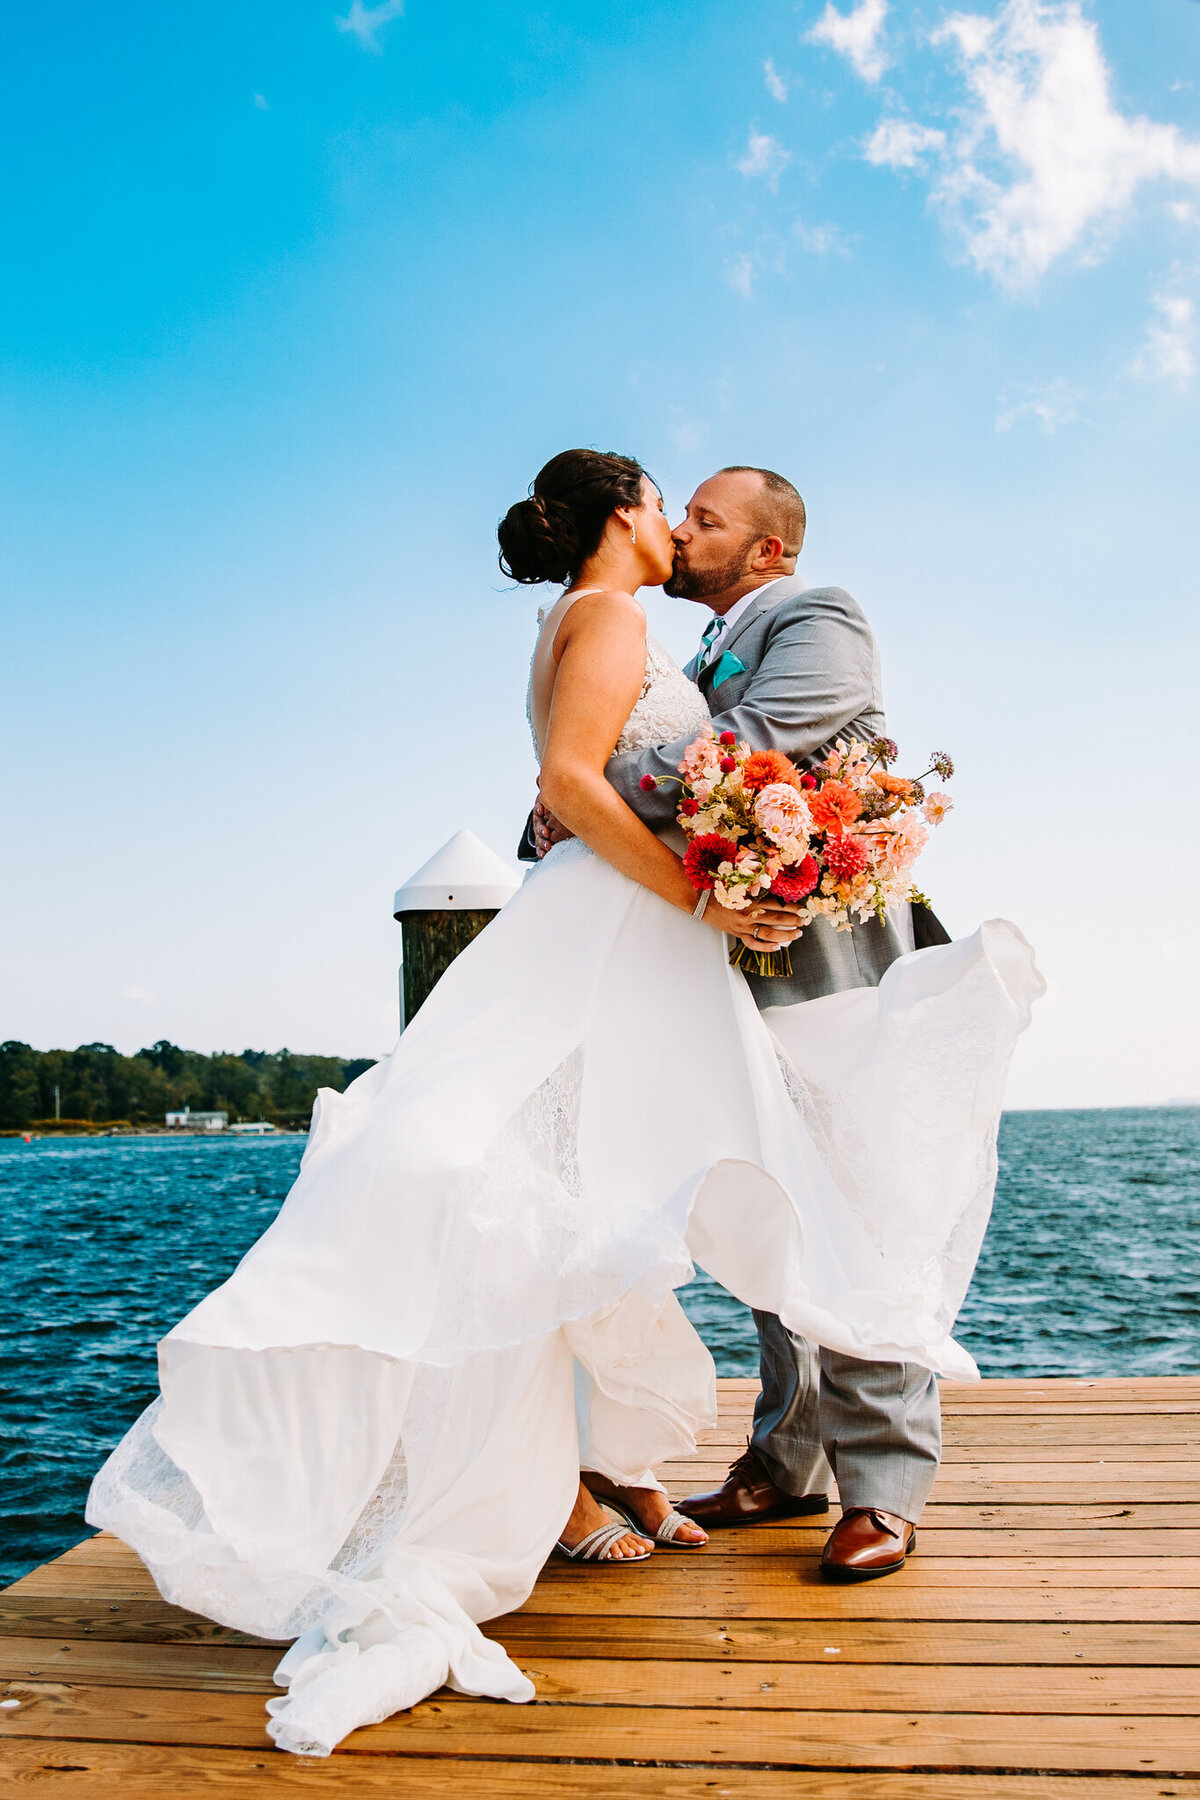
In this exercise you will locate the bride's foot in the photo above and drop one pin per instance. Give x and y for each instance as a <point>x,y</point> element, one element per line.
<point>650,1507</point>
<point>588,1515</point>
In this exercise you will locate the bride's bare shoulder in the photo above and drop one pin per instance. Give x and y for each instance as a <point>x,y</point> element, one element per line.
<point>607,610</point>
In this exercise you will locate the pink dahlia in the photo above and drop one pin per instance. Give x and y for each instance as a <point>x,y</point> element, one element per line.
<point>845,857</point>
<point>782,811</point>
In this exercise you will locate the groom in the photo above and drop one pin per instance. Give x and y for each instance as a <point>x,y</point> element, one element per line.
<point>792,668</point>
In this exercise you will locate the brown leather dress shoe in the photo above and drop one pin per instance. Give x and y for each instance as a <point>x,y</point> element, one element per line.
<point>749,1494</point>
<point>866,1543</point>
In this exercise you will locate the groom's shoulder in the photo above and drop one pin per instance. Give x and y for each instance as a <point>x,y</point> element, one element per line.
<point>795,602</point>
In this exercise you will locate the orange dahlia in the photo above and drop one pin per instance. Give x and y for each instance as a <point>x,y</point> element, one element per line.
<point>834,806</point>
<point>892,784</point>
<point>765,766</point>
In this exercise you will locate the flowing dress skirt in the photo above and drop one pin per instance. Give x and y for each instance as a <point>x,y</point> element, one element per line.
<point>368,1438</point>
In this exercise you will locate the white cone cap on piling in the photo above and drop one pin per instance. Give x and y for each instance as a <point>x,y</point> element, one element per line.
<point>463,876</point>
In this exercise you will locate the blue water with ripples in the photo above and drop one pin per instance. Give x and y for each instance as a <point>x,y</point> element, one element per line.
<point>1089,1268</point>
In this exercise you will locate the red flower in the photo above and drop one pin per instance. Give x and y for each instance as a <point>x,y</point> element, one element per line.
<point>845,857</point>
<point>766,766</point>
<point>728,764</point>
<point>728,739</point>
<point>689,808</point>
<point>704,857</point>
<point>647,784</point>
<point>798,883</point>
<point>807,780</point>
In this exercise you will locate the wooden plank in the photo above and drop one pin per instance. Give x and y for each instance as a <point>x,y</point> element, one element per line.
<point>1113,1486</point>
<point>747,1576</point>
<point>717,1597</point>
<point>1046,1546</point>
<point>88,1771</point>
<point>943,1642</point>
<point>220,1668</point>
<point>616,1680</point>
<point>1071,1428</point>
<point>636,1635</point>
<point>805,1739</point>
<point>793,1584</point>
<point>150,1621</point>
<point>1047,1447</point>
<point>1183,1478</point>
<point>1054,1387</point>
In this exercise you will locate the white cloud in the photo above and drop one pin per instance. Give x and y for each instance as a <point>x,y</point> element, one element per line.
<point>689,435</point>
<point>776,85</point>
<point>366,21</point>
<point>821,240</point>
<point>261,103</point>
<point>1046,161</point>
<point>1051,406</point>
<point>740,275</point>
<point>855,35</point>
<point>142,995</point>
<point>1169,352</point>
<point>898,144</point>
<point>765,156</point>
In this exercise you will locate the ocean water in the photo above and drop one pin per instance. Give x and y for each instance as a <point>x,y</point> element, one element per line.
<point>1089,1268</point>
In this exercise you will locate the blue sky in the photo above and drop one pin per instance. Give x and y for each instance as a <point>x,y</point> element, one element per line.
<point>298,299</point>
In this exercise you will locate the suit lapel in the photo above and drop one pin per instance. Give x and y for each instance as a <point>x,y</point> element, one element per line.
<point>770,597</point>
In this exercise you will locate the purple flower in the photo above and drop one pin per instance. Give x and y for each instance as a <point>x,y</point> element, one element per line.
<point>941,764</point>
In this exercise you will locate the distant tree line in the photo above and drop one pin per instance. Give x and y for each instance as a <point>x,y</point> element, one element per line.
<point>95,1083</point>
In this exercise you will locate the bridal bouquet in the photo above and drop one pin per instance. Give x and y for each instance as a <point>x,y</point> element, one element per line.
<point>838,840</point>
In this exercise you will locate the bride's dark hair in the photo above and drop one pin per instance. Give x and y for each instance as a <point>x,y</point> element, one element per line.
<point>551,535</point>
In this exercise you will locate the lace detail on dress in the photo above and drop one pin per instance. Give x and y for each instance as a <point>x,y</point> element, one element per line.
<point>668,707</point>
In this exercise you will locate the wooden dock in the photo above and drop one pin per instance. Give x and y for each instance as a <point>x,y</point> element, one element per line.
<point>1041,1645</point>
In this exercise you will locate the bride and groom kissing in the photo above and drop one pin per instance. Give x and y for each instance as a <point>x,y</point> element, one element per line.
<point>369,1439</point>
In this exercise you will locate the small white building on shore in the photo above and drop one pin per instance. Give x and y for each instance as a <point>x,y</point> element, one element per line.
<point>187,1120</point>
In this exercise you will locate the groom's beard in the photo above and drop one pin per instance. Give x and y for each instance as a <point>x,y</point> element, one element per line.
<point>698,584</point>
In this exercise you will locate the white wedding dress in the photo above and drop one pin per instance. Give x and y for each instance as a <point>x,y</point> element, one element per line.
<point>369,1437</point>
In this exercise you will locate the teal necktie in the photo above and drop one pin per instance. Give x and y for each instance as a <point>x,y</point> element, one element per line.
<point>711,633</point>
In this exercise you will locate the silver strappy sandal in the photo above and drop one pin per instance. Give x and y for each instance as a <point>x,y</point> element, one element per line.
<point>597,1545</point>
<point>668,1532</point>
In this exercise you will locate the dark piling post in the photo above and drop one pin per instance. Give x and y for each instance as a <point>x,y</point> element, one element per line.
<point>441,908</point>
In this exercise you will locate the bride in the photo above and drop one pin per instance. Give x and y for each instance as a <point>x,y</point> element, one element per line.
<point>369,1438</point>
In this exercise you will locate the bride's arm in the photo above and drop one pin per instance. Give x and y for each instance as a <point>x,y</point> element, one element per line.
<point>601,647</point>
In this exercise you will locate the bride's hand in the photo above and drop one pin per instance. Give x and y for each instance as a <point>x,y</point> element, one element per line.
<point>767,925</point>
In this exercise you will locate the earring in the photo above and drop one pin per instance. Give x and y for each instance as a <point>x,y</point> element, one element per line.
<point>632,533</point>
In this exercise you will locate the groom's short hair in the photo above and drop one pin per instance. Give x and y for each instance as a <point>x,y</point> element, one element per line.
<point>779,510</point>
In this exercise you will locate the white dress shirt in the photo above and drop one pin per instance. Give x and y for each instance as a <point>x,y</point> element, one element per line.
<point>728,620</point>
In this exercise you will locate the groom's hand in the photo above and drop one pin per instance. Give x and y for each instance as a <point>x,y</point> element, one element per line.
<point>547,830</point>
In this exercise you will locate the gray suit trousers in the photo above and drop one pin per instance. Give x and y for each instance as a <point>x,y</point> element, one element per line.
<point>876,1425</point>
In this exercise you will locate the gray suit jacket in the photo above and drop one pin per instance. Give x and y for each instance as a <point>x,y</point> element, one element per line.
<point>808,675</point>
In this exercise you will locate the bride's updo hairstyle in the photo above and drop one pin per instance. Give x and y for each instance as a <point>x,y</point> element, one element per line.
<point>551,535</point>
